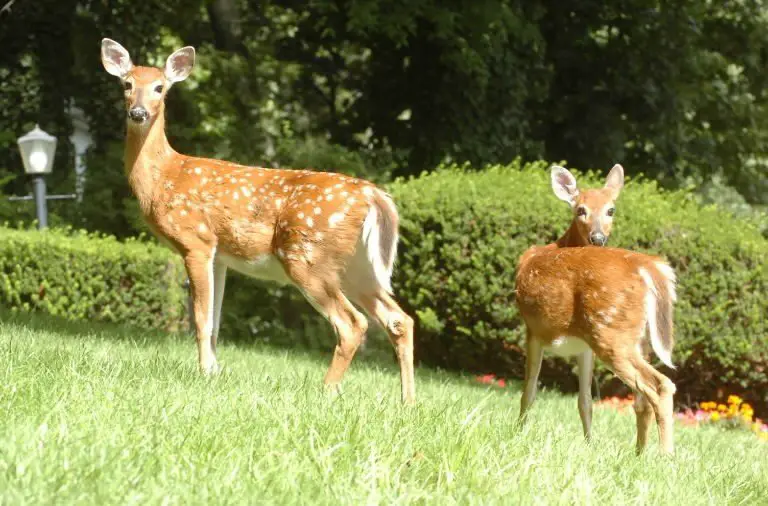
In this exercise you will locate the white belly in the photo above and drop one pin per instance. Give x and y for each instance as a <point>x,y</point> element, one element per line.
<point>567,346</point>
<point>267,267</point>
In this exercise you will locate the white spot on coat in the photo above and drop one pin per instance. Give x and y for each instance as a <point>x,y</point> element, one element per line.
<point>335,219</point>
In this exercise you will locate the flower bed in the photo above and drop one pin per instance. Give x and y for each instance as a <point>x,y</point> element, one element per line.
<point>736,414</point>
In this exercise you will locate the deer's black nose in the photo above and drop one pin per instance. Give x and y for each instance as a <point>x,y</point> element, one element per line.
<point>598,239</point>
<point>138,114</point>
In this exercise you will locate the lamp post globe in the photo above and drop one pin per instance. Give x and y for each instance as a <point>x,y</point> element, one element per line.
<point>37,150</point>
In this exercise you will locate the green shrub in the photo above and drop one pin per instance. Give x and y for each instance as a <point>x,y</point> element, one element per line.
<point>462,234</point>
<point>88,277</point>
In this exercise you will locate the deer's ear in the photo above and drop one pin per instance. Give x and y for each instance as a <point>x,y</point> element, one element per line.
<point>615,179</point>
<point>179,65</point>
<point>115,58</point>
<point>564,185</point>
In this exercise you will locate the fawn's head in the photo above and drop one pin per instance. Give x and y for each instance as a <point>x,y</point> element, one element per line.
<point>145,87</point>
<point>593,209</point>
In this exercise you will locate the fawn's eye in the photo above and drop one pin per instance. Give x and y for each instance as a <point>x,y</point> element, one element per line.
<point>580,211</point>
<point>159,88</point>
<point>610,212</point>
<point>127,85</point>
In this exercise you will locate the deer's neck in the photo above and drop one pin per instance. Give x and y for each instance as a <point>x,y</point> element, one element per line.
<point>147,153</point>
<point>570,239</point>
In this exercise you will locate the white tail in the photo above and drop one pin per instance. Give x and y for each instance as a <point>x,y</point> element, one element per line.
<point>658,307</point>
<point>577,299</point>
<point>380,237</point>
<point>297,227</point>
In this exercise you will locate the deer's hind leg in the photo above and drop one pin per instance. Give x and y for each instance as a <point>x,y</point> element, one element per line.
<point>643,411</point>
<point>651,388</point>
<point>399,327</point>
<point>323,291</point>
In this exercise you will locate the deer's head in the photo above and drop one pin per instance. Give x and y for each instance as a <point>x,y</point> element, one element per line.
<point>145,87</point>
<point>593,209</point>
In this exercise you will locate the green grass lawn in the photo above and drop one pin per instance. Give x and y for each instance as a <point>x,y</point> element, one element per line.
<point>107,415</point>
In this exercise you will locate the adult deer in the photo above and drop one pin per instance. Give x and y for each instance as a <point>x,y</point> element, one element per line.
<point>334,237</point>
<point>579,299</point>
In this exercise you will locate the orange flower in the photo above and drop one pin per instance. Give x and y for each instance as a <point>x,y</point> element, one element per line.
<point>722,408</point>
<point>746,407</point>
<point>715,416</point>
<point>734,399</point>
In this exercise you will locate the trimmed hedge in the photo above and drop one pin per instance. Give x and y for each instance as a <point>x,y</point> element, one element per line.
<point>82,276</point>
<point>462,234</point>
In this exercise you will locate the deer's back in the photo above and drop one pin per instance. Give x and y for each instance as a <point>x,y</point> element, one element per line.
<point>576,291</point>
<point>248,212</point>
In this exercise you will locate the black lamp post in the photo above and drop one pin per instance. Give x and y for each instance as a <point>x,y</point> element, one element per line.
<point>37,150</point>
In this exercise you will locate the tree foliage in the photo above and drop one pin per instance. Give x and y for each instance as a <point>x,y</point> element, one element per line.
<point>675,90</point>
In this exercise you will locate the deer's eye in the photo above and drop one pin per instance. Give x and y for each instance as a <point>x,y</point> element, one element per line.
<point>581,211</point>
<point>610,212</point>
<point>127,85</point>
<point>159,88</point>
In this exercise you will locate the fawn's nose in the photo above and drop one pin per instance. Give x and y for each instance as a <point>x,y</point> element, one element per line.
<point>598,239</point>
<point>138,114</point>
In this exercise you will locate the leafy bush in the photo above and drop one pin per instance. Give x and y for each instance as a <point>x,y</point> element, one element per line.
<point>83,276</point>
<point>462,234</point>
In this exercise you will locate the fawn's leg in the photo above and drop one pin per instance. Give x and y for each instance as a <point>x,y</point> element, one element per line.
<point>644,416</point>
<point>664,410</point>
<point>586,365</point>
<point>199,265</point>
<point>643,410</point>
<point>399,328</point>
<point>349,324</point>
<point>655,389</point>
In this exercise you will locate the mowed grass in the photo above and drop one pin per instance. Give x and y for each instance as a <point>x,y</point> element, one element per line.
<point>107,415</point>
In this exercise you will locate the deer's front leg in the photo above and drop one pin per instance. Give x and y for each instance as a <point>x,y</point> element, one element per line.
<point>586,363</point>
<point>535,353</point>
<point>199,266</point>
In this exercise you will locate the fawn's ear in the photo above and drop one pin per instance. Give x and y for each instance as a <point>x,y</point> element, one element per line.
<point>115,58</point>
<point>615,179</point>
<point>179,65</point>
<point>564,185</point>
